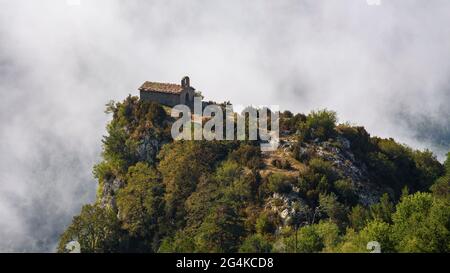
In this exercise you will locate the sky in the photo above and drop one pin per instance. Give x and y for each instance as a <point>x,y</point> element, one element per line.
<point>381,66</point>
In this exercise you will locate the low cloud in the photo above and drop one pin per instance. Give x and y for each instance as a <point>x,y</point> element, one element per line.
<point>385,67</point>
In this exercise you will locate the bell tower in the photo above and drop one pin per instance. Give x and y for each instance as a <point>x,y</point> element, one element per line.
<point>186,82</point>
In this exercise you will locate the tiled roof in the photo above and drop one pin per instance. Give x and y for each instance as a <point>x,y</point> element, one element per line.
<point>161,87</point>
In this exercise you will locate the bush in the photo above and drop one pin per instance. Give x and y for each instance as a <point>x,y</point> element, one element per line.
<point>248,155</point>
<point>303,154</point>
<point>266,223</point>
<point>346,191</point>
<point>318,178</point>
<point>319,125</point>
<point>290,123</point>
<point>281,164</point>
<point>221,231</point>
<point>319,166</point>
<point>333,209</point>
<point>279,183</point>
<point>360,142</point>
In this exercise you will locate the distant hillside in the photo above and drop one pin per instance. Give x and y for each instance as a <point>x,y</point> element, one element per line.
<point>328,188</point>
<point>433,131</point>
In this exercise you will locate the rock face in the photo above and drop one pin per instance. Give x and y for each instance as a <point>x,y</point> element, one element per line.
<point>344,163</point>
<point>147,151</point>
<point>109,190</point>
<point>285,205</point>
<point>339,154</point>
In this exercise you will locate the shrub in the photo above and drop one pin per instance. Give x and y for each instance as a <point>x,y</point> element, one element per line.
<point>383,210</point>
<point>319,166</point>
<point>346,191</point>
<point>279,183</point>
<point>319,125</point>
<point>360,142</point>
<point>281,164</point>
<point>333,209</point>
<point>266,223</point>
<point>291,123</point>
<point>248,155</point>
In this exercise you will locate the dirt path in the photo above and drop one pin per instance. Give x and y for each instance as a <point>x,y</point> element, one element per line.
<point>281,155</point>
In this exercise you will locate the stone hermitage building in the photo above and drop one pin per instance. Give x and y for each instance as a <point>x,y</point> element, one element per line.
<point>168,94</point>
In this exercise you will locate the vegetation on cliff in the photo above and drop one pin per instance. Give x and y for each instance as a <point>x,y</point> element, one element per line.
<point>328,188</point>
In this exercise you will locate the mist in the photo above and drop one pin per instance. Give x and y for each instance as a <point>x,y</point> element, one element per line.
<point>384,67</point>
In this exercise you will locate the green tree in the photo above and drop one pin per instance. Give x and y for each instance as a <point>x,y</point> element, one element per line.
<point>313,238</point>
<point>119,147</point>
<point>309,240</point>
<point>441,188</point>
<point>221,232</point>
<point>96,229</point>
<point>182,242</point>
<point>396,165</point>
<point>358,217</point>
<point>383,210</point>
<point>329,234</point>
<point>256,243</point>
<point>429,168</point>
<point>198,204</point>
<point>375,231</point>
<point>141,204</point>
<point>422,224</point>
<point>182,163</point>
<point>333,209</point>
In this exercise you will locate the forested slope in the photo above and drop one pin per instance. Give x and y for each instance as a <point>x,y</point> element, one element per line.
<point>328,188</point>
